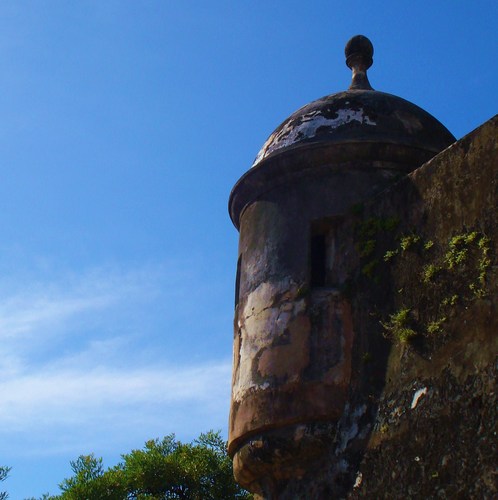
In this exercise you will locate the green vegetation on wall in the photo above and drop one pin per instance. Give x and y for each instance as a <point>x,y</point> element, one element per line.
<point>434,277</point>
<point>448,275</point>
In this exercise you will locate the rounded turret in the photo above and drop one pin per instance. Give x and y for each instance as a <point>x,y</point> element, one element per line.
<point>293,331</point>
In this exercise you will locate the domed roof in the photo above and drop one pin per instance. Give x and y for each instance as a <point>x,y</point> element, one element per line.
<point>358,115</point>
<point>355,129</point>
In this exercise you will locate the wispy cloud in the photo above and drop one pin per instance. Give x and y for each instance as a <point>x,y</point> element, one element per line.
<point>76,412</point>
<point>40,316</point>
<point>70,377</point>
<point>25,314</point>
<point>67,390</point>
<point>34,305</point>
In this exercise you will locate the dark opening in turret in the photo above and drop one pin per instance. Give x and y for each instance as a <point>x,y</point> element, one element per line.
<point>318,253</point>
<point>237,281</point>
<point>324,259</point>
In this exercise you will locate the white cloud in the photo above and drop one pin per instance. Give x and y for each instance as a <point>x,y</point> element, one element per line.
<point>58,397</point>
<point>35,306</point>
<point>74,373</point>
<point>37,316</point>
<point>75,412</point>
<point>27,314</point>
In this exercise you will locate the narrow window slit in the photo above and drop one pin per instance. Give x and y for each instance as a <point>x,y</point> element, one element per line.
<point>237,281</point>
<point>324,259</point>
<point>318,260</point>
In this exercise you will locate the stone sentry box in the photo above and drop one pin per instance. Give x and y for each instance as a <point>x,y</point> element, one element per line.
<point>293,328</point>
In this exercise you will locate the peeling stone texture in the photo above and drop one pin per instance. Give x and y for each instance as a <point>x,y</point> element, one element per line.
<point>356,116</point>
<point>292,341</point>
<point>292,349</point>
<point>355,130</point>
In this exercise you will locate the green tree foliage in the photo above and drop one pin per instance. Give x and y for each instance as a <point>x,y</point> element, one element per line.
<point>91,481</point>
<point>164,469</point>
<point>4,472</point>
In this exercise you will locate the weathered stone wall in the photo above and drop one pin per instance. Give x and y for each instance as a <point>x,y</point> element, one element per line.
<point>421,416</point>
<point>434,434</point>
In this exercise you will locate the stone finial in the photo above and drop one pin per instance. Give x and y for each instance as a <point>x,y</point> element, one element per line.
<point>359,51</point>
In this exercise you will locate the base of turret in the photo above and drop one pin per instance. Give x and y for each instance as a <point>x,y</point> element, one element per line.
<point>267,460</point>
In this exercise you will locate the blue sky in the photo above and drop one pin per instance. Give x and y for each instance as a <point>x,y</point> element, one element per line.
<point>123,127</point>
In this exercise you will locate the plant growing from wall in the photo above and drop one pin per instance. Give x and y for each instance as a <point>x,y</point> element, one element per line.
<point>398,327</point>
<point>367,237</point>
<point>435,277</point>
<point>447,275</point>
